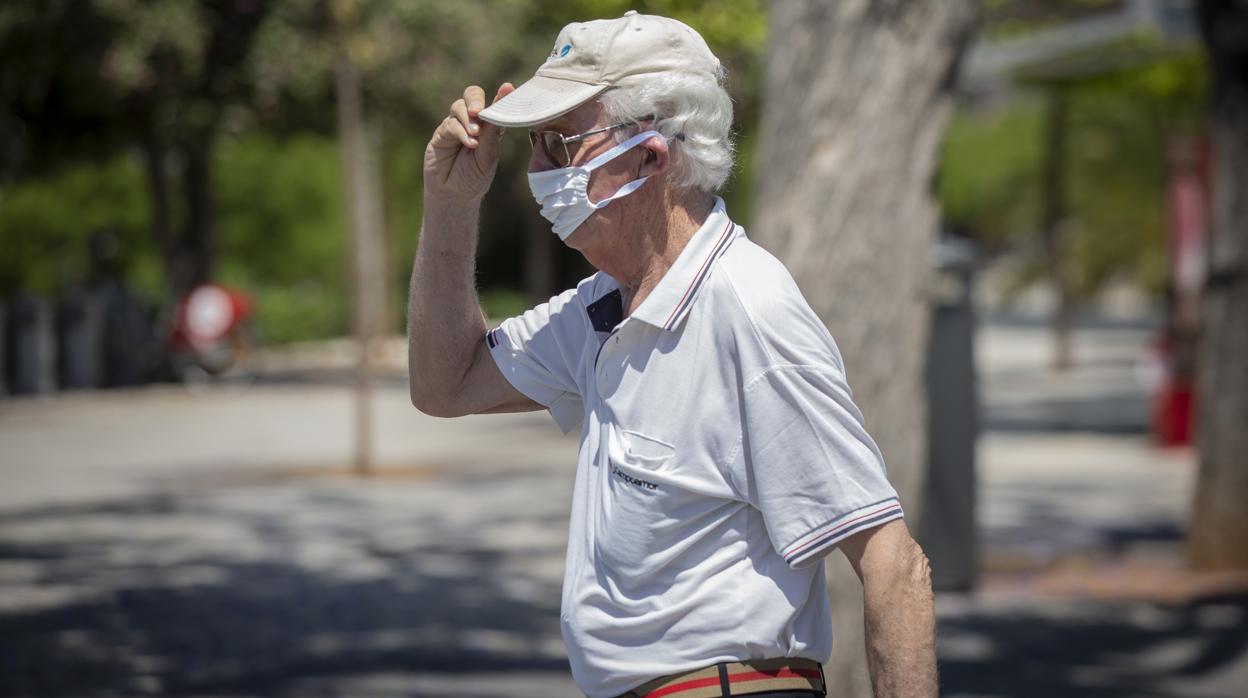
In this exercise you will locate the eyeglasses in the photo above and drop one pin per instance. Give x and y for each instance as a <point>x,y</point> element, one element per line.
<point>554,145</point>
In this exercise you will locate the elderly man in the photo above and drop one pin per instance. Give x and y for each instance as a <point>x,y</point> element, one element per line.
<point>721,455</point>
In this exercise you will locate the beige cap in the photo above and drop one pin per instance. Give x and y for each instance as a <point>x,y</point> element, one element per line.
<point>590,57</point>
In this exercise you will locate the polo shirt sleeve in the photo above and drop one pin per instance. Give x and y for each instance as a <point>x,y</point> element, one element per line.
<point>811,467</point>
<point>538,352</point>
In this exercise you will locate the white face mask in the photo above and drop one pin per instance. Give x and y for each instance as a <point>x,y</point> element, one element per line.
<point>563,193</point>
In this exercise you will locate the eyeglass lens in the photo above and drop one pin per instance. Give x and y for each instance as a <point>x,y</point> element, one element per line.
<point>555,148</point>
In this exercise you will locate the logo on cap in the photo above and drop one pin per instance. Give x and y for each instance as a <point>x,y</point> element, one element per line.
<point>560,52</point>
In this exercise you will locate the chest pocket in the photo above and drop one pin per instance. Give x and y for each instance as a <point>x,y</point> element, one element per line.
<point>656,517</point>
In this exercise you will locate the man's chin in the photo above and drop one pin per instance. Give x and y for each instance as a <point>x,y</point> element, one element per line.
<point>582,236</point>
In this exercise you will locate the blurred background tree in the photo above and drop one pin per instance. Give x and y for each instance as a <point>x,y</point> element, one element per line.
<point>208,128</point>
<point>857,97</point>
<point>203,134</point>
<point>216,158</point>
<point>992,165</point>
<point>85,78</point>
<point>1219,516</point>
<point>1067,171</point>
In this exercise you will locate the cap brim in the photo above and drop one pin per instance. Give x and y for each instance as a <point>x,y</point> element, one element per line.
<point>539,100</point>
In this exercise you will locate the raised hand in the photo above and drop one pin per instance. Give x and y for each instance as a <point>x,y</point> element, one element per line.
<point>462,156</point>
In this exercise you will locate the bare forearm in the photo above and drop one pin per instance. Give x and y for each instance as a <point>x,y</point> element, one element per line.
<point>444,317</point>
<point>901,632</point>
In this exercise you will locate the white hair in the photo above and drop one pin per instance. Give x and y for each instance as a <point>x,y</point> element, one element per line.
<point>694,108</point>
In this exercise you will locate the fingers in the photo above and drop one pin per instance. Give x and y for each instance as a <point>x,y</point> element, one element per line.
<point>450,135</point>
<point>460,110</point>
<point>462,127</point>
<point>488,129</point>
<point>504,90</point>
<point>474,98</point>
<point>457,130</point>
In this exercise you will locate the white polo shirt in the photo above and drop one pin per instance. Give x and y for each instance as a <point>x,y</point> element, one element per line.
<point>721,456</point>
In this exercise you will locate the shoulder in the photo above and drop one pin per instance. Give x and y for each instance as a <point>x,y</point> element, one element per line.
<point>761,281</point>
<point>562,315</point>
<point>773,323</point>
<point>578,297</point>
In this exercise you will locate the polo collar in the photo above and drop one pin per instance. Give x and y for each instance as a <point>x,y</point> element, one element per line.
<point>674,295</point>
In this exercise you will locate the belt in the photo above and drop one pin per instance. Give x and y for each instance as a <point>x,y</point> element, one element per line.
<point>737,679</point>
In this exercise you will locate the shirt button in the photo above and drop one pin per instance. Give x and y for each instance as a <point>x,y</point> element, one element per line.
<point>617,340</point>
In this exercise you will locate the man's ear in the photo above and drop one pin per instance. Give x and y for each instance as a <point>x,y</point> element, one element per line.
<point>657,157</point>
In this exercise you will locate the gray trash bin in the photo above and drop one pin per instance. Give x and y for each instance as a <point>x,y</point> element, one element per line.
<point>947,531</point>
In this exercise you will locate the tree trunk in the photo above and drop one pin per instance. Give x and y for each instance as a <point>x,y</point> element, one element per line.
<point>856,99</point>
<point>539,247</point>
<point>162,217</point>
<point>1219,525</point>
<point>187,250</point>
<point>359,163</point>
<point>199,244</point>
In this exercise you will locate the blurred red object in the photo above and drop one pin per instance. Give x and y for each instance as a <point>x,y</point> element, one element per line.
<point>212,332</point>
<point>1172,399</point>
<point>1175,351</point>
<point>209,313</point>
<point>1172,415</point>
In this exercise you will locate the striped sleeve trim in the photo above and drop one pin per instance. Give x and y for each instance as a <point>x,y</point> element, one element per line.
<point>824,537</point>
<point>491,339</point>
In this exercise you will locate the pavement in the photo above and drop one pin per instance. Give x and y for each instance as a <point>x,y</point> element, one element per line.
<point>1082,589</point>
<point>215,541</point>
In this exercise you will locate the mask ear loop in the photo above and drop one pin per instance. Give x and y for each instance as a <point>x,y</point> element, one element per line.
<point>621,192</point>
<point>611,155</point>
<point>618,150</point>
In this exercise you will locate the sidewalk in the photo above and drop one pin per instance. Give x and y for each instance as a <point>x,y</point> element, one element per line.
<point>160,542</point>
<point>1082,590</point>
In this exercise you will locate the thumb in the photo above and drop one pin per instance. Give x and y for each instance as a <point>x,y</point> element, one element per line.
<point>503,90</point>
<point>492,134</point>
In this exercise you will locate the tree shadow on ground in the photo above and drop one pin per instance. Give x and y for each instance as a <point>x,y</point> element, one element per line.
<point>1085,649</point>
<point>179,595</point>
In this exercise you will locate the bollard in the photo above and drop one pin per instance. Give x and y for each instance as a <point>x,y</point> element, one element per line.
<point>4,348</point>
<point>79,341</point>
<point>33,346</point>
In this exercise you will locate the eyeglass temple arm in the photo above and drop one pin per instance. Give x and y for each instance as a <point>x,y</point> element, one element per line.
<point>581,136</point>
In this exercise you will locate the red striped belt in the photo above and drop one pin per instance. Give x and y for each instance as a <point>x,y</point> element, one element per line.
<point>737,679</point>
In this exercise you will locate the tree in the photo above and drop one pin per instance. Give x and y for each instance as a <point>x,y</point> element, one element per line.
<point>856,97</point>
<point>1220,516</point>
<point>92,78</point>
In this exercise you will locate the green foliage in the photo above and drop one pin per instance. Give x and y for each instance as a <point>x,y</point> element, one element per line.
<point>311,309</point>
<point>738,191</point>
<point>281,233</point>
<point>1002,18</point>
<point>171,27</point>
<point>281,214</point>
<point>280,219</point>
<point>277,177</point>
<point>729,26</point>
<point>499,303</point>
<point>402,163</point>
<point>46,223</point>
<point>1119,130</point>
<point>990,170</point>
